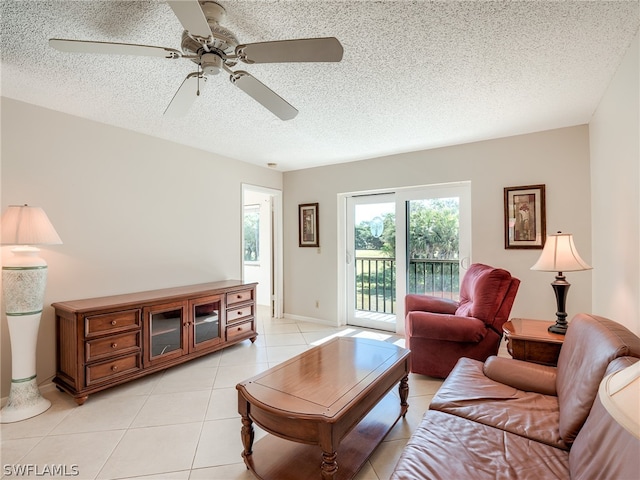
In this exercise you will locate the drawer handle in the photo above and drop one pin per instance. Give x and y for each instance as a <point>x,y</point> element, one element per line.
<point>113,322</point>
<point>114,368</point>
<point>239,312</point>
<point>114,345</point>
<point>239,328</point>
<point>238,296</point>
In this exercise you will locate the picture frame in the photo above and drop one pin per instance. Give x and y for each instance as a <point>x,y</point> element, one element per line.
<point>525,217</point>
<point>308,231</point>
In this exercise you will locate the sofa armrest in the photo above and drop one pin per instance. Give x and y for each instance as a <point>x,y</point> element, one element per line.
<point>436,326</point>
<point>426,303</point>
<point>526,376</point>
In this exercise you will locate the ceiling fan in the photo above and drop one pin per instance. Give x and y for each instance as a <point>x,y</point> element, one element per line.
<point>214,48</point>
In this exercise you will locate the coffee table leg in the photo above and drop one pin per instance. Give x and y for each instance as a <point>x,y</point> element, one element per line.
<point>329,465</point>
<point>247,434</point>
<point>404,394</point>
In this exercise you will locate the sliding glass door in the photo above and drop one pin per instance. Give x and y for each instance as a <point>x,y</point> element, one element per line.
<point>409,241</point>
<point>372,271</point>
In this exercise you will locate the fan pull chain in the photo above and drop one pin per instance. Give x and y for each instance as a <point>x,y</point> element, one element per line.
<point>198,83</point>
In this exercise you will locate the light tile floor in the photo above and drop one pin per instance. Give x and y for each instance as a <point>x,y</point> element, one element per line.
<point>182,423</point>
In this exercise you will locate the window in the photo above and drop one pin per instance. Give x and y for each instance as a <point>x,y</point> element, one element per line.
<point>251,233</point>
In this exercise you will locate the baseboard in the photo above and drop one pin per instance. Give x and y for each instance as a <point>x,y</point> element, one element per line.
<point>321,321</point>
<point>47,386</point>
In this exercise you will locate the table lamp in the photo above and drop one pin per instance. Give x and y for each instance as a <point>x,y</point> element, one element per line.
<point>560,255</point>
<point>24,277</point>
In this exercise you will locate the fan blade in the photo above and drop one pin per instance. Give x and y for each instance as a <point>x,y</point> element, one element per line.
<point>185,96</point>
<point>302,50</point>
<point>263,95</point>
<point>84,46</point>
<point>191,17</point>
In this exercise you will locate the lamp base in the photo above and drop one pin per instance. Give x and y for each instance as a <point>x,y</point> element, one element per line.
<point>560,288</point>
<point>25,401</point>
<point>558,328</point>
<point>24,277</point>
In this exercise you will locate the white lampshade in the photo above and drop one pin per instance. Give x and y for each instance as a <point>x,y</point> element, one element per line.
<point>25,225</point>
<point>560,255</point>
<point>620,395</point>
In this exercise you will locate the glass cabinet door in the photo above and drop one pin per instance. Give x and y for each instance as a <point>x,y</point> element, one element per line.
<point>166,332</point>
<point>207,326</point>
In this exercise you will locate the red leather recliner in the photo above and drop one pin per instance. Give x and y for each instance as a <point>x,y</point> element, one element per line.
<point>439,331</point>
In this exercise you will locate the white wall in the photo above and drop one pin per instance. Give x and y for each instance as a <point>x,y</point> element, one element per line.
<point>614,135</point>
<point>134,212</point>
<point>557,158</point>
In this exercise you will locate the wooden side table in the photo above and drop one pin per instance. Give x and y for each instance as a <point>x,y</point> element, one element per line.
<point>530,340</point>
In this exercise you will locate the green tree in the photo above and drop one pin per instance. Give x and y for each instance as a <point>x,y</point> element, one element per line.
<point>251,227</point>
<point>364,239</point>
<point>433,231</point>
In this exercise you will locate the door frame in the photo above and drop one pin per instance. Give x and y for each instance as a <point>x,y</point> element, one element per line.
<point>276,257</point>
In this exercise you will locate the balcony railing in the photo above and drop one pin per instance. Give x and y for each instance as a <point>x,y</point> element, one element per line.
<point>375,281</point>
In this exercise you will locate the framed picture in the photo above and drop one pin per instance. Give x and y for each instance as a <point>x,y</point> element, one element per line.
<point>524,217</point>
<point>308,225</point>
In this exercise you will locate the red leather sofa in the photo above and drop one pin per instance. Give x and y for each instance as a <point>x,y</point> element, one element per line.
<point>509,419</point>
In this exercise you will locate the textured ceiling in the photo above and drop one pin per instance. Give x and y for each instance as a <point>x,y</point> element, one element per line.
<point>415,74</point>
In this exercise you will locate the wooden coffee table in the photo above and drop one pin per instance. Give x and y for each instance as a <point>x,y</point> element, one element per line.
<point>327,409</point>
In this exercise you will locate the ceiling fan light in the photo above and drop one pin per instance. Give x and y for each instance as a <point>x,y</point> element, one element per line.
<point>211,63</point>
<point>213,11</point>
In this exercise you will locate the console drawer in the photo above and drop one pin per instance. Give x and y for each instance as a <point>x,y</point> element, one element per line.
<point>239,330</point>
<point>105,371</point>
<point>111,346</point>
<point>240,296</point>
<point>112,322</point>
<point>235,315</point>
